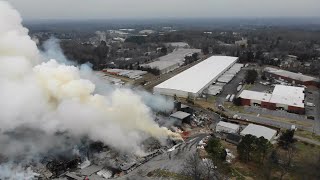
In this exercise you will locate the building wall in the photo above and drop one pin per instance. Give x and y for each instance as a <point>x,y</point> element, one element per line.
<point>170,92</point>
<point>268,105</point>
<point>273,106</point>
<point>293,81</point>
<point>245,102</point>
<point>183,94</point>
<point>297,110</point>
<point>284,106</point>
<point>312,83</point>
<point>254,102</point>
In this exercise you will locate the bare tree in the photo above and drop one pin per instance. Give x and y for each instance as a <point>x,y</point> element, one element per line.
<point>199,169</point>
<point>192,167</point>
<point>287,162</point>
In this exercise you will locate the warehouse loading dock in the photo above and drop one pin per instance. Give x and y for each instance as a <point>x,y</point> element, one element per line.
<point>191,82</point>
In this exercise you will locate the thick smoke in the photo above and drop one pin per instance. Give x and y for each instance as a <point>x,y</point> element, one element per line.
<point>48,97</point>
<point>13,172</point>
<point>52,50</point>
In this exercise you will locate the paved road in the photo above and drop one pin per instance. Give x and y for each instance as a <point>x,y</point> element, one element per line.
<point>310,141</point>
<point>276,113</point>
<point>272,122</point>
<point>315,110</point>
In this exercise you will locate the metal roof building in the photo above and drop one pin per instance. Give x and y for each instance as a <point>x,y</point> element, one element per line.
<point>171,61</point>
<point>292,75</point>
<point>288,98</point>
<point>227,127</point>
<point>194,80</point>
<point>259,131</point>
<point>294,78</point>
<point>180,115</point>
<point>255,95</point>
<point>288,95</point>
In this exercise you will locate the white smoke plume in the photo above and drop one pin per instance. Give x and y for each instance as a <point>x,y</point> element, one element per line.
<point>52,50</point>
<point>51,97</point>
<point>13,172</point>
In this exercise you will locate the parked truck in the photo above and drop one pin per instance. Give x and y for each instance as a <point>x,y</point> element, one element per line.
<point>232,97</point>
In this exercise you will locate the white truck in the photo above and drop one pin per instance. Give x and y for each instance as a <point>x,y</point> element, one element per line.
<point>232,97</point>
<point>239,88</point>
<point>228,97</point>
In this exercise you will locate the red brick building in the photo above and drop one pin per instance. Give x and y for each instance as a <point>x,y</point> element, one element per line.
<point>291,77</point>
<point>287,98</point>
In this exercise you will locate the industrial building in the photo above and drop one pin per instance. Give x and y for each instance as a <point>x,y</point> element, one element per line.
<point>180,117</point>
<point>132,74</point>
<point>171,61</point>
<point>227,127</point>
<point>283,97</point>
<point>291,77</point>
<point>191,82</point>
<point>259,131</point>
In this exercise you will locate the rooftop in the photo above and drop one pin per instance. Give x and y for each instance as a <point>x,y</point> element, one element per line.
<point>228,125</point>
<point>291,75</point>
<point>198,76</point>
<point>175,57</point>
<point>259,96</point>
<point>180,115</point>
<point>259,131</point>
<point>288,95</point>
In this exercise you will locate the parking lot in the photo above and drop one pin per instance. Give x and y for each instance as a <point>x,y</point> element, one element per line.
<point>231,87</point>
<point>313,96</point>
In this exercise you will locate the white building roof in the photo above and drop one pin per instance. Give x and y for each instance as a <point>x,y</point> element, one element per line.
<point>254,95</point>
<point>259,131</point>
<point>198,76</point>
<point>180,115</point>
<point>228,125</point>
<point>291,75</point>
<point>288,95</point>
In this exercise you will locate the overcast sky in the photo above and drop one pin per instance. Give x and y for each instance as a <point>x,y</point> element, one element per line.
<point>107,9</point>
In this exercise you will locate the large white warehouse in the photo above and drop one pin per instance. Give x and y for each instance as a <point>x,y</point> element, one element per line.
<point>194,80</point>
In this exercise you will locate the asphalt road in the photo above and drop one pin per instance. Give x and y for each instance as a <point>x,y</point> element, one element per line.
<point>272,122</point>
<point>314,111</point>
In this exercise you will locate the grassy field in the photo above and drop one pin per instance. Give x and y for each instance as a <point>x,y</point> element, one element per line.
<point>232,107</point>
<point>160,173</point>
<point>247,86</point>
<point>289,121</point>
<point>307,134</point>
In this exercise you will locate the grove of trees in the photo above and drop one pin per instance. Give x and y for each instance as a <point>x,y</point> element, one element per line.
<point>251,76</point>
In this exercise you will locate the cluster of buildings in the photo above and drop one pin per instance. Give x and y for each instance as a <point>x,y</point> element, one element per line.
<point>192,82</point>
<point>132,74</point>
<point>172,60</point>
<point>291,77</point>
<point>233,132</point>
<point>283,97</point>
